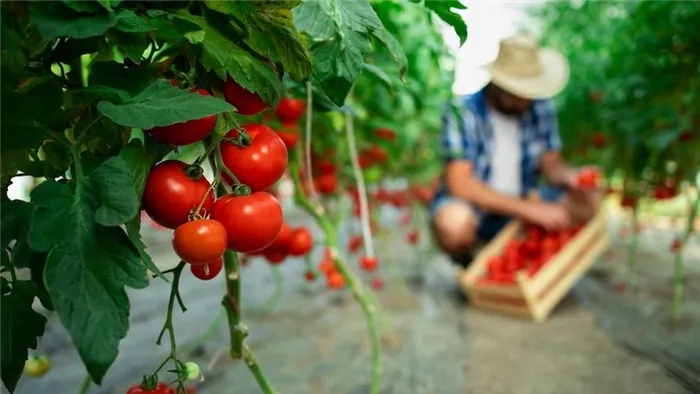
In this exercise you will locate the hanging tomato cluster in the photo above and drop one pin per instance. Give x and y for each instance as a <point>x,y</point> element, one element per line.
<point>529,254</point>
<point>324,174</point>
<point>178,196</point>
<point>291,242</point>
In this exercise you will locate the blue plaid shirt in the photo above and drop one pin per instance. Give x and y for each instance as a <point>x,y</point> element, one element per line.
<point>471,137</point>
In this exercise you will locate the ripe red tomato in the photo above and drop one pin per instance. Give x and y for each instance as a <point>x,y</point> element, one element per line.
<point>377,153</point>
<point>170,194</point>
<point>377,284</point>
<point>354,243</point>
<point>207,271</point>
<point>283,240</point>
<point>326,183</point>
<point>289,110</point>
<point>327,266</point>
<point>161,388</point>
<point>365,160</point>
<point>385,133</point>
<point>335,280</point>
<point>259,165</point>
<point>200,241</point>
<point>588,178</point>
<point>326,167</point>
<point>185,133</point>
<point>252,222</point>
<point>412,237</point>
<point>274,256</point>
<point>309,276</point>
<point>246,102</point>
<point>302,242</point>
<point>289,134</point>
<point>368,263</point>
<point>550,245</point>
<point>599,140</point>
<point>676,245</point>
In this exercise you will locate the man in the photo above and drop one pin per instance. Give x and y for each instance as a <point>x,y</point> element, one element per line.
<point>498,143</point>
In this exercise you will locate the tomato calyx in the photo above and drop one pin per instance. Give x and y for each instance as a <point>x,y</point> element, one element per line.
<point>241,140</point>
<point>194,172</point>
<point>241,190</point>
<point>149,382</point>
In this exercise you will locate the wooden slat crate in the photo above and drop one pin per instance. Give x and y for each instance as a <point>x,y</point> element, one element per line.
<point>535,297</point>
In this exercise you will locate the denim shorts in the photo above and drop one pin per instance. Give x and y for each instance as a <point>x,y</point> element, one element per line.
<point>489,225</point>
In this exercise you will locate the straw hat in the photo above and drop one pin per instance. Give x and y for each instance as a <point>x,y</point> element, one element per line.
<point>528,71</point>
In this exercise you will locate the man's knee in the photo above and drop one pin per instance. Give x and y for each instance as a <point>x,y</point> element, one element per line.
<point>454,225</point>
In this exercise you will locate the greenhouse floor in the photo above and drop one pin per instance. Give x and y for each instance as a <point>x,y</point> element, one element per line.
<point>312,341</point>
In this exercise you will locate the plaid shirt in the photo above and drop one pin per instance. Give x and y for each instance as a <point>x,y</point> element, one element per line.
<point>471,137</point>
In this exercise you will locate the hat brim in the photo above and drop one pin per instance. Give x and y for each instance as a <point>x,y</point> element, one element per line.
<point>550,82</point>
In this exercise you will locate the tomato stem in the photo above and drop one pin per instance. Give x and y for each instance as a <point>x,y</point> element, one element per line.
<point>168,324</point>
<point>85,386</point>
<point>231,302</point>
<point>359,291</point>
<point>257,372</point>
<point>307,144</point>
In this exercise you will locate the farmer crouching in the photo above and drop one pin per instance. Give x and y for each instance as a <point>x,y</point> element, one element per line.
<point>504,140</point>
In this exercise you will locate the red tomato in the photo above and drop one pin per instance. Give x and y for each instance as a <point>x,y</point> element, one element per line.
<point>628,201</point>
<point>385,133</point>
<point>170,194</point>
<point>377,153</point>
<point>289,110</point>
<point>283,240</point>
<point>377,284</point>
<point>599,139</point>
<point>354,243</point>
<point>200,241</point>
<point>530,247</point>
<point>368,263</point>
<point>309,276</point>
<point>289,134</point>
<point>686,136</point>
<point>302,242</point>
<point>161,388</point>
<point>676,245</point>
<point>207,271</point>
<point>326,183</point>
<point>246,102</point>
<point>327,266</point>
<point>413,237</point>
<point>365,160</point>
<point>588,178</point>
<point>252,222</point>
<point>513,260</point>
<point>275,256</point>
<point>185,133</point>
<point>326,167</point>
<point>335,280</point>
<point>259,165</point>
<point>550,245</point>
<point>495,265</point>
<point>535,233</point>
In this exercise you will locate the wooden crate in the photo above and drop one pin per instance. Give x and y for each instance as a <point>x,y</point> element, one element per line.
<point>535,297</point>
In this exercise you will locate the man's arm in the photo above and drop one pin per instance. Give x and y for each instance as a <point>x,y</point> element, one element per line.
<point>552,164</point>
<point>555,169</point>
<point>461,183</point>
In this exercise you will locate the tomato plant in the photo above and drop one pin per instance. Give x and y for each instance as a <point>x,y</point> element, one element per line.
<point>117,107</point>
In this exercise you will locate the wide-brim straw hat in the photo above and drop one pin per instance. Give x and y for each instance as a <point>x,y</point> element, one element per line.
<point>526,70</point>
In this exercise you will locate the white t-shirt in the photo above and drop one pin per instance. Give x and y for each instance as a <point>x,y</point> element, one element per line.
<point>506,170</point>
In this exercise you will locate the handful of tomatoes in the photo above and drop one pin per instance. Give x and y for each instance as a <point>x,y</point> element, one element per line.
<point>529,254</point>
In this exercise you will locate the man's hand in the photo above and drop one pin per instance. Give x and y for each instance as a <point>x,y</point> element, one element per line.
<point>548,215</point>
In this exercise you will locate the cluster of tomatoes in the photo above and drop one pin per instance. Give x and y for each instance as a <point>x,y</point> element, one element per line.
<point>291,242</point>
<point>249,220</point>
<point>324,173</point>
<point>161,388</point>
<point>528,254</point>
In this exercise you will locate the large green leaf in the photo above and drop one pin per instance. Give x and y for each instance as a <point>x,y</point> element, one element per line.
<point>20,325</point>
<point>342,31</point>
<point>129,22</point>
<point>444,9</point>
<point>53,19</point>
<point>88,267</point>
<point>221,55</point>
<point>270,31</point>
<point>162,104</point>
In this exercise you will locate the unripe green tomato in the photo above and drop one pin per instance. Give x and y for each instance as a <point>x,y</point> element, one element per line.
<point>37,366</point>
<point>373,175</point>
<point>193,372</point>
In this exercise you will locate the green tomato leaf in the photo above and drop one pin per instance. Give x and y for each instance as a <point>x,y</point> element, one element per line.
<point>20,326</point>
<point>55,20</point>
<point>26,115</point>
<point>224,58</point>
<point>342,31</point>
<point>140,159</point>
<point>130,45</point>
<point>15,216</point>
<point>95,93</point>
<point>377,75</point>
<point>129,22</point>
<point>444,10</point>
<point>270,31</point>
<point>162,104</point>
<point>83,6</point>
<point>88,267</point>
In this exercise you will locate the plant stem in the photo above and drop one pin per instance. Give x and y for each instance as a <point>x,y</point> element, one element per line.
<point>307,144</point>
<point>632,248</point>
<point>256,370</point>
<point>359,291</point>
<point>168,325</point>
<point>231,301</point>
<point>679,267</point>
<point>85,386</point>
<point>362,191</point>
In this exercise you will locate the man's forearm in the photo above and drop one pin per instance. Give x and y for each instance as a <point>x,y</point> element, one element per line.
<point>556,171</point>
<point>485,198</point>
